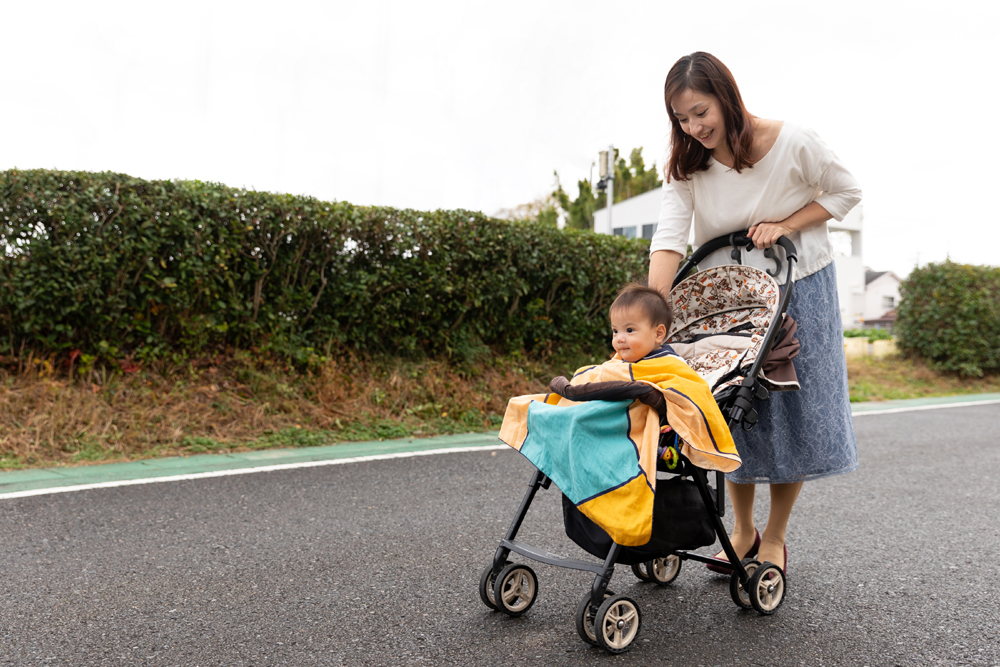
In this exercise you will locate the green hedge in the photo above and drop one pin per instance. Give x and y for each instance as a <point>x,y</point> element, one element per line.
<point>949,314</point>
<point>871,334</point>
<point>107,263</point>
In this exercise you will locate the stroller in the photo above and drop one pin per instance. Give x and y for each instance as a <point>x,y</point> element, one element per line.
<point>740,306</point>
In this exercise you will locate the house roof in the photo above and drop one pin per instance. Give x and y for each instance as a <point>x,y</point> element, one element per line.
<point>889,317</point>
<point>872,276</point>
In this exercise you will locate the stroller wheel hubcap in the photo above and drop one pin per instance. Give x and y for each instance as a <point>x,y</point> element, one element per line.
<point>515,589</point>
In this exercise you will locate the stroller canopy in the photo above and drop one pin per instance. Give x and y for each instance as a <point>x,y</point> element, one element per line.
<point>720,318</point>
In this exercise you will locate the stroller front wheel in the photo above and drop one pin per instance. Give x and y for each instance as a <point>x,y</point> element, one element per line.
<point>585,613</point>
<point>486,588</point>
<point>617,623</point>
<point>515,589</point>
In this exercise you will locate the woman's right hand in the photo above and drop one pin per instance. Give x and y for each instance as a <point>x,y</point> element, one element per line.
<point>766,234</point>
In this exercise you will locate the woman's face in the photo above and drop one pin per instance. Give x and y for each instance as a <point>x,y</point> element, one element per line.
<point>700,115</point>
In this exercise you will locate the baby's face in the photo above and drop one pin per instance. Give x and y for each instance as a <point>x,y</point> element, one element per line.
<point>633,335</point>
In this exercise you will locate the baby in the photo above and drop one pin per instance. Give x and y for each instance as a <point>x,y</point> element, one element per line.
<point>640,319</point>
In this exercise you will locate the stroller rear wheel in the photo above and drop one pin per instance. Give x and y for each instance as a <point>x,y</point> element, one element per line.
<point>617,623</point>
<point>741,595</point>
<point>515,589</point>
<point>767,589</point>
<point>641,572</point>
<point>585,613</point>
<point>664,570</point>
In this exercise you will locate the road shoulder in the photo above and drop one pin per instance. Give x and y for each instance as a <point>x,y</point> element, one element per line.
<point>21,483</point>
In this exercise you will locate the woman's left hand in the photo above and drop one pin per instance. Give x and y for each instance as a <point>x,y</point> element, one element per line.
<point>766,234</point>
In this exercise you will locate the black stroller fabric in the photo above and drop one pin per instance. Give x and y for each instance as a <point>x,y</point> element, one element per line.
<point>680,521</point>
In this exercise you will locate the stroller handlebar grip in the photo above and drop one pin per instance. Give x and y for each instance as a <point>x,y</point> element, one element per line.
<point>735,240</point>
<point>789,247</point>
<point>741,239</point>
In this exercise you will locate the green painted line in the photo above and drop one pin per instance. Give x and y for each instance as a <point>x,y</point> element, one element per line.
<point>43,478</point>
<point>917,403</point>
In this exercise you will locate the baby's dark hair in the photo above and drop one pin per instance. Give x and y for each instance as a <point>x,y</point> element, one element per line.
<point>646,300</point>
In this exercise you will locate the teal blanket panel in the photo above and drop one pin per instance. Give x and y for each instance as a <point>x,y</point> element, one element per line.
<point>584,448</point>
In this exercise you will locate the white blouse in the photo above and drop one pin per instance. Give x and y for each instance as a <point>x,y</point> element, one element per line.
<point>798,170</point>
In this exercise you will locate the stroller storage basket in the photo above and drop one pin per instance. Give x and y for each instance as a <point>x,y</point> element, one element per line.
<point>680,521</point>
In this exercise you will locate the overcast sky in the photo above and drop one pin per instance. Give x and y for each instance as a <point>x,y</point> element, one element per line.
<point>469,104</point>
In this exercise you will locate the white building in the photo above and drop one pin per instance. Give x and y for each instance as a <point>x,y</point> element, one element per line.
<point>881,298</point>
<point>637,217</point>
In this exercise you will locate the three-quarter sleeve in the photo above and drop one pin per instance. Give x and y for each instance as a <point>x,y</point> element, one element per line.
<point>840,191</point>
<point>674,225</point>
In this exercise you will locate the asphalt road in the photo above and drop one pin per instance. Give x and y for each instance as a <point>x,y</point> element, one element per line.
<point>377,564</point>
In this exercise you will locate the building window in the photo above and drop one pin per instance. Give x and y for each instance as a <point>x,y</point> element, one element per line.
<point>888,302</point>
<point>648,231</point>
<point>627,232</point>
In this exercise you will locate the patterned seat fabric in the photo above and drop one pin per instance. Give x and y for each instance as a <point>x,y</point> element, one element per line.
<point>720,318</point>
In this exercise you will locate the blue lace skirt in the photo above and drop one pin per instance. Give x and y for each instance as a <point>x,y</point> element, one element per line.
<point>805,434</point>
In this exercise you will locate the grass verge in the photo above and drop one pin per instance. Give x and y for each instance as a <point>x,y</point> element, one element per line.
<point>242,403</point>
<point>896,377</point>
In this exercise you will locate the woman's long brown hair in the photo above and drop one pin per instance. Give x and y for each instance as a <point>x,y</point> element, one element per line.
<point>704,73</point>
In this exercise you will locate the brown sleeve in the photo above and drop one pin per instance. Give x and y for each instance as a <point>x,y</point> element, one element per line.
<point>618,390</point>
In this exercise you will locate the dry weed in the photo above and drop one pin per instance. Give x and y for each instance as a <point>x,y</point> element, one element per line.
<point>898,377</point>
<point>45,419</point>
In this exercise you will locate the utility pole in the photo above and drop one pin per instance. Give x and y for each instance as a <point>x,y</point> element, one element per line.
<point>607,182</point>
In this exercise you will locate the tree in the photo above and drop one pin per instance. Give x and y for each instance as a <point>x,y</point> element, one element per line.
<point>544,210</point>
<point>631,179</point>
<point>634,179</point>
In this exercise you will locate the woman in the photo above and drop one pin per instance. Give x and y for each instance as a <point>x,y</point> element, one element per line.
<point>731,171</point>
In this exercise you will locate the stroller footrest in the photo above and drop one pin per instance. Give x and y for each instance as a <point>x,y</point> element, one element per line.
<point>708,560</point>
<point>543,556</point>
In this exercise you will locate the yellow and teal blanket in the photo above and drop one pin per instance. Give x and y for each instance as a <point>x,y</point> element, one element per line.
<point>600,449</point>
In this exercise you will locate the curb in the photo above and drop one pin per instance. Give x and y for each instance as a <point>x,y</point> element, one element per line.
<point>912,404</point>
<point>21,483</point>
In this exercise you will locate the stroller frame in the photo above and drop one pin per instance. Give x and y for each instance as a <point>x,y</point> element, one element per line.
<point>748,577</point>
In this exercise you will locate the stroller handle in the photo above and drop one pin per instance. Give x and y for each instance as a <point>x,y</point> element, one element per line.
<point>736,240</point>
<point>742,412</point>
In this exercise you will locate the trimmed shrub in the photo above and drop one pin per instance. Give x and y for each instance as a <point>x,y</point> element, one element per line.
<point>111,264</point>
<point>949,314</point>
<point>871,334</point>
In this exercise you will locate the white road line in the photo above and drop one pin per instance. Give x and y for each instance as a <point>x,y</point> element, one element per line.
<point>924,407</point>
<point>375,457</point>
<point>244,471</point>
